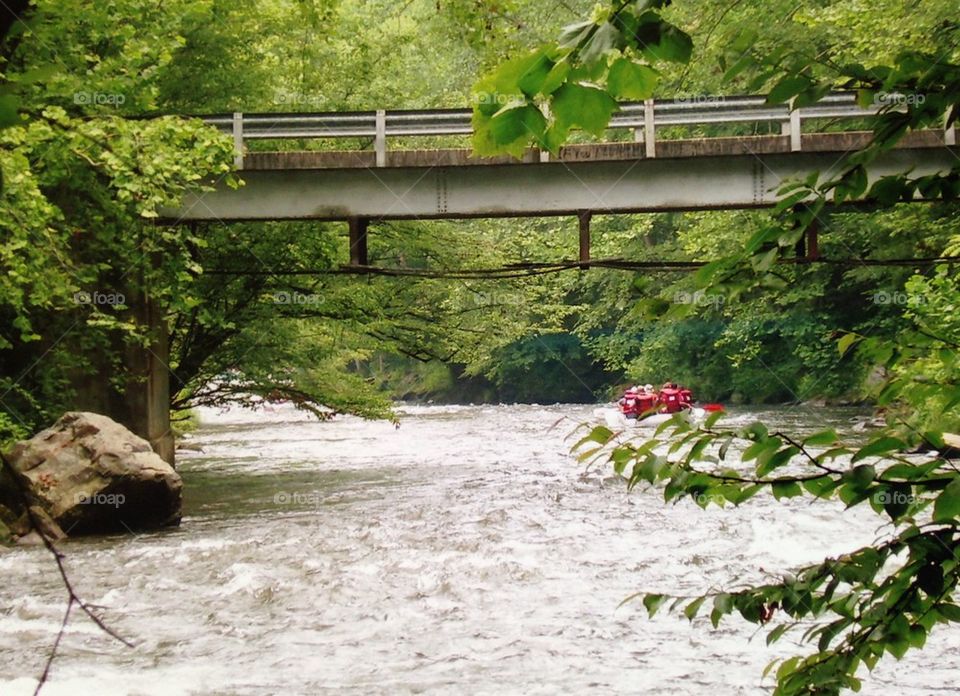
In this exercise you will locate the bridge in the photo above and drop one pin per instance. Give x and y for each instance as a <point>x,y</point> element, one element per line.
<point>642,166</point>
<point>636,170</point>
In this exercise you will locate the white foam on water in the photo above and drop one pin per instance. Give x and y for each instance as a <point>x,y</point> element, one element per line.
<point>465,552</point>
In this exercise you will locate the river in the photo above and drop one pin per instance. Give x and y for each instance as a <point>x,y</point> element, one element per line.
<point>464,552</point>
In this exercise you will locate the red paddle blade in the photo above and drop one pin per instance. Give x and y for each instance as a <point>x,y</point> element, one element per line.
<point>712,407</point>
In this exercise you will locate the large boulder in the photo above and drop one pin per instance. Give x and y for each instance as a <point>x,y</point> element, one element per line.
<point>22,519</point>
<point>94,476</point>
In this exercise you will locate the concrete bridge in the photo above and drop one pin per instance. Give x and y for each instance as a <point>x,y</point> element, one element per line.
<point>638,170</point>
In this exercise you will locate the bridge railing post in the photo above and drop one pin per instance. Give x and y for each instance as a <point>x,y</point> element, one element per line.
<point>649,129</point>
<point>238,140</point>
<point>949,132</point>
<point>380,140</point>
<point>796,142</point>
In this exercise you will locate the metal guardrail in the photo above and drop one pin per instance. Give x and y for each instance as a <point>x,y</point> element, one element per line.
<point>642,117</point>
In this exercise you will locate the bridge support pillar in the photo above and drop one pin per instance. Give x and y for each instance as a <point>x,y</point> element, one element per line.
<point>808,248</point>
<point>584,216</point>
<point>140,399</point>
<point>147,396</point>
<point>358,241</point>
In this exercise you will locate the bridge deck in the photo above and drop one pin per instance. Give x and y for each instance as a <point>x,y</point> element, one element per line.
<point>714,173</point>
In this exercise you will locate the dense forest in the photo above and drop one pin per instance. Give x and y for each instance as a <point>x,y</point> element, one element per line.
<point>82,181</point>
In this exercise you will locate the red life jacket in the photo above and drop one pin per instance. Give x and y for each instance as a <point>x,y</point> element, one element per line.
<point>647,402</point>
<point>630,403</point>
<point>670,401</point>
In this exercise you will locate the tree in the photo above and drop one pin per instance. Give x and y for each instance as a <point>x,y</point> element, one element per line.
<point>886,597</point>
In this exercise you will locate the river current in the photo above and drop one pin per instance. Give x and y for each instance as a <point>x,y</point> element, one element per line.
<point>464,552</point>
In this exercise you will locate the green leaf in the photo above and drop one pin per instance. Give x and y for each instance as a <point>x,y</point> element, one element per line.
<point>769,667</point>
<point>787,667</point>
<point>747,493</point>
<point>513,127</point>
<point>698,448</point>
<point>745,61</point>
<point>715,617</point>
<point>691,609</point>
<point>587,107</point>
<point>917,637</point>
<point>909,471</point>
<point>631,80</point>
<point>670,43</point>
<point>573,34</point>
<point>852,184</point>
<point>761,237</point>
<point>712,419</point>
<point>847,340</point>
<point>723,602</point>
<point>824,437</point>
<point>947,505</point>
<point>601,434</point>
<point>744,40</point>
<point>605,38</point>
<point>812,95</point>
<point>879,446</point>
<point>862,475</point>
<point>757,449</point>
<point>898,646</point>
<point>951,612</point>
<point>930,579</point>
<point>866,98</point>
<point>787,88</point>
<point>555,77</point>
<point>652,602</point>
<point>821,487</point>
<point>786,489</point>
<point>531,80</point>
<point>763,262</point>
<point>776,633</point>
<point>768,464</point>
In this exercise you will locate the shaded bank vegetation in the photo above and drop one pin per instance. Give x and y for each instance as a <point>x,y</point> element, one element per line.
<point>81,184</point>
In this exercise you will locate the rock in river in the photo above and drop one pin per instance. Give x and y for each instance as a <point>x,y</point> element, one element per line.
<point>92,476</point>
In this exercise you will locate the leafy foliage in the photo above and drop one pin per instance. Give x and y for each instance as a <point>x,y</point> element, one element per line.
<point>540,97</point>
<point>883,598</point>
